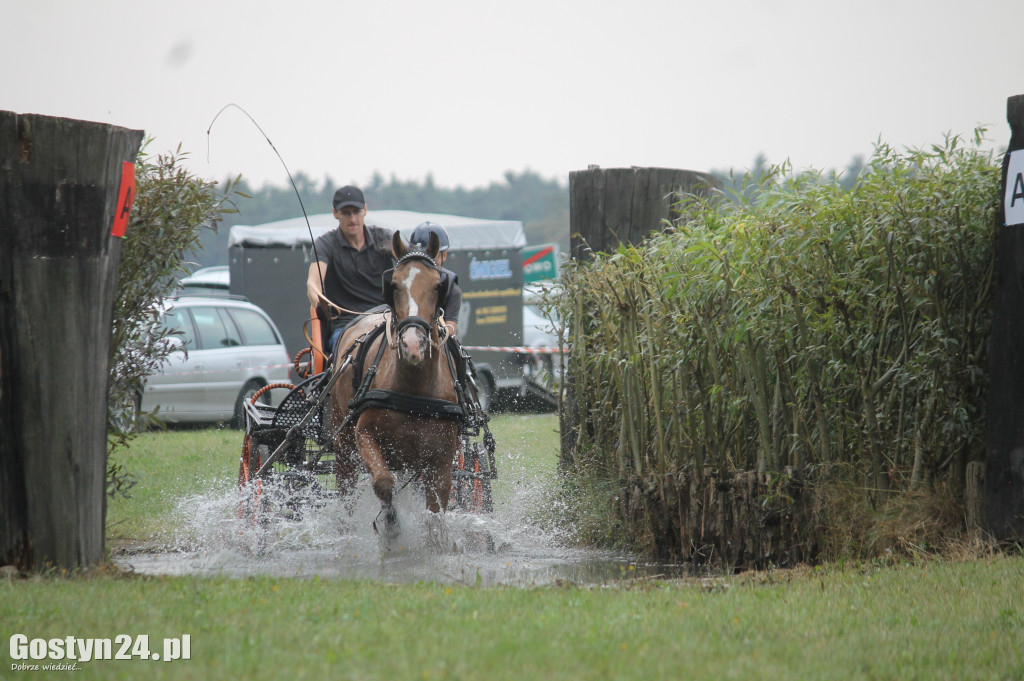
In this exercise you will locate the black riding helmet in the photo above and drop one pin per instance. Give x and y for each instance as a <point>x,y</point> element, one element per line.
<point>421,236</point>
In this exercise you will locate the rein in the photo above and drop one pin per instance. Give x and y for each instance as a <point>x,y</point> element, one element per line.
<point>339,308</point>
<point>411,255</point>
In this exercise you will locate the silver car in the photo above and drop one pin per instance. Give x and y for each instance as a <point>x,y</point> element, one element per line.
<point>230,349</point>
<point>214,281</point>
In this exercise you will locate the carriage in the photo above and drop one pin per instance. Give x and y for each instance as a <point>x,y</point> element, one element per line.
<point>289,463</point>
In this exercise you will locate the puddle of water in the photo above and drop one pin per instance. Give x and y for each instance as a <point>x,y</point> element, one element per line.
<point>335,541</point>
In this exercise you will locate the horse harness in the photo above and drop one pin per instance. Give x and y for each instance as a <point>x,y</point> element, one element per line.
<point>366,397</point>
<point>466,410</point>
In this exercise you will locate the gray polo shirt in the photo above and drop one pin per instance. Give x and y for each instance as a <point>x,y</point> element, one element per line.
<point>353,278</point>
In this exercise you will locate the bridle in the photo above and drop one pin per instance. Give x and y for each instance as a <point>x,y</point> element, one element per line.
<point>396,327</point>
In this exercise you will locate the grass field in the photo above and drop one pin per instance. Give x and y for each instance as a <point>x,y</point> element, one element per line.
<point>926,620</point>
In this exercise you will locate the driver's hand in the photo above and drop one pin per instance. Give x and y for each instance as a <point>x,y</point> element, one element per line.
<point>327,304</point>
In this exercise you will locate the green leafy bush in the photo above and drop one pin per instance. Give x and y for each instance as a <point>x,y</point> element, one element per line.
<point>171,208</point>
<point>797,323</point>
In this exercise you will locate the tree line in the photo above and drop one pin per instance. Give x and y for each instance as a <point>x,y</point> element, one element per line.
<point>541,204</point>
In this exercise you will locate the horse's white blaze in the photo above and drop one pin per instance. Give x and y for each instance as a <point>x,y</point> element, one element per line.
<point>414,309</point>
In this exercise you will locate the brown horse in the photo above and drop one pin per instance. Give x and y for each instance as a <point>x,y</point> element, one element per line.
<point>404,421</point>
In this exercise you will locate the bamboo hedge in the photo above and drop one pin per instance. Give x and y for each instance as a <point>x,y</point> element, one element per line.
<point>794,325</point>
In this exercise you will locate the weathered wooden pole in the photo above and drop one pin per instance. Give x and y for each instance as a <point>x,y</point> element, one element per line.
<point>612,206</point>
<point>61,197</point>
<point>609,206</point>
<point>1003,505</point>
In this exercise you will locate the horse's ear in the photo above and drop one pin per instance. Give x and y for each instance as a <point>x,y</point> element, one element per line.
<point>397,247</point>
<point>434,246</point>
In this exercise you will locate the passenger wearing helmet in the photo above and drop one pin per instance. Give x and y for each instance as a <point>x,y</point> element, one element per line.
<point>419,238</point>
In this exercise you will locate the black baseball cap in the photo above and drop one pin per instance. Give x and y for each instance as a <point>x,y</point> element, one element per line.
<point>348,196</point>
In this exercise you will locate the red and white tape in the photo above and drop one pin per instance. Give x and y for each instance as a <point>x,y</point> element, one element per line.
<point>516,349</point>
<point>224,371</point>
<point>519,350</point>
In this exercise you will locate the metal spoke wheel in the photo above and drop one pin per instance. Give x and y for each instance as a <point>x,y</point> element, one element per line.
<point>252,502</point>
<point>245,394</point>
<point>471,479</point>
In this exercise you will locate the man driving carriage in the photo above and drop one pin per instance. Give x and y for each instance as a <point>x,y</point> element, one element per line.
<point>357,268</point>
<point>350,262</point>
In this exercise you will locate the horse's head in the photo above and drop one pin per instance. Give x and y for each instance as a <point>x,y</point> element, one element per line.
<point>414,290</point>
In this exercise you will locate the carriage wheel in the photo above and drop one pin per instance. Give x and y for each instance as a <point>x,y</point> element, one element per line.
<point>455,495</point>
<point>252,502</point>
<point>481,501</point>
<point>470,494</point>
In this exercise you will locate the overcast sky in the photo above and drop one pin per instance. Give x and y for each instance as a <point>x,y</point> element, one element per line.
<point>468,89</point>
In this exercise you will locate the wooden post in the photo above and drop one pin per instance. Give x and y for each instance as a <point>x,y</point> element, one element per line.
<point>619,205</point>
<point>624,205</point>
<point>974,493</point>
<point>1003,504</point>
<point>59,184</point>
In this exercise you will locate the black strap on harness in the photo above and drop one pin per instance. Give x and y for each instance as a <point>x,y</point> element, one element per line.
<point>410,404</point>
<point>360,359</point>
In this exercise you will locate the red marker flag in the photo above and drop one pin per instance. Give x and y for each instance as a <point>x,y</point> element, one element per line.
<point>125,198</point>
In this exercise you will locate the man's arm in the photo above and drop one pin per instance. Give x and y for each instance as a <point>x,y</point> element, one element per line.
<point>314,282</point>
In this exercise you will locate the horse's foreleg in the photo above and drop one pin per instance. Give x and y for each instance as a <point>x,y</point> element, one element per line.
<point>383,487</point>
<point>438,483</point>
<point>437,487</point>
<point>373,456</point>
<point>346,474</point>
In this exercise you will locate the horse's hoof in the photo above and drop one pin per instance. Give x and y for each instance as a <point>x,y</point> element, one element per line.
<point>389,527</point>
<point>438,537</point>
<point>392,524</point>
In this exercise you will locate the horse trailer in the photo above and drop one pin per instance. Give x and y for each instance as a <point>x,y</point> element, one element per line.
<point>269,264</point>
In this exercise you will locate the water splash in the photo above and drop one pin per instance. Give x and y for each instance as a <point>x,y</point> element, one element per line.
<point>521,543</point>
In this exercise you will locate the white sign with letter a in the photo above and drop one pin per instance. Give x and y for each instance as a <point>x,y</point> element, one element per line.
<point>1014,200</point>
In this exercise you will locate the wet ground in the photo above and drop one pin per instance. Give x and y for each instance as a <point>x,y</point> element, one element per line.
<point>519,544</point>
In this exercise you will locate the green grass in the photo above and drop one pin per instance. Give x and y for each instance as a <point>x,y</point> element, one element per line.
<point>168,465</point>
<point>929,620</point>
<point>926,621</point>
